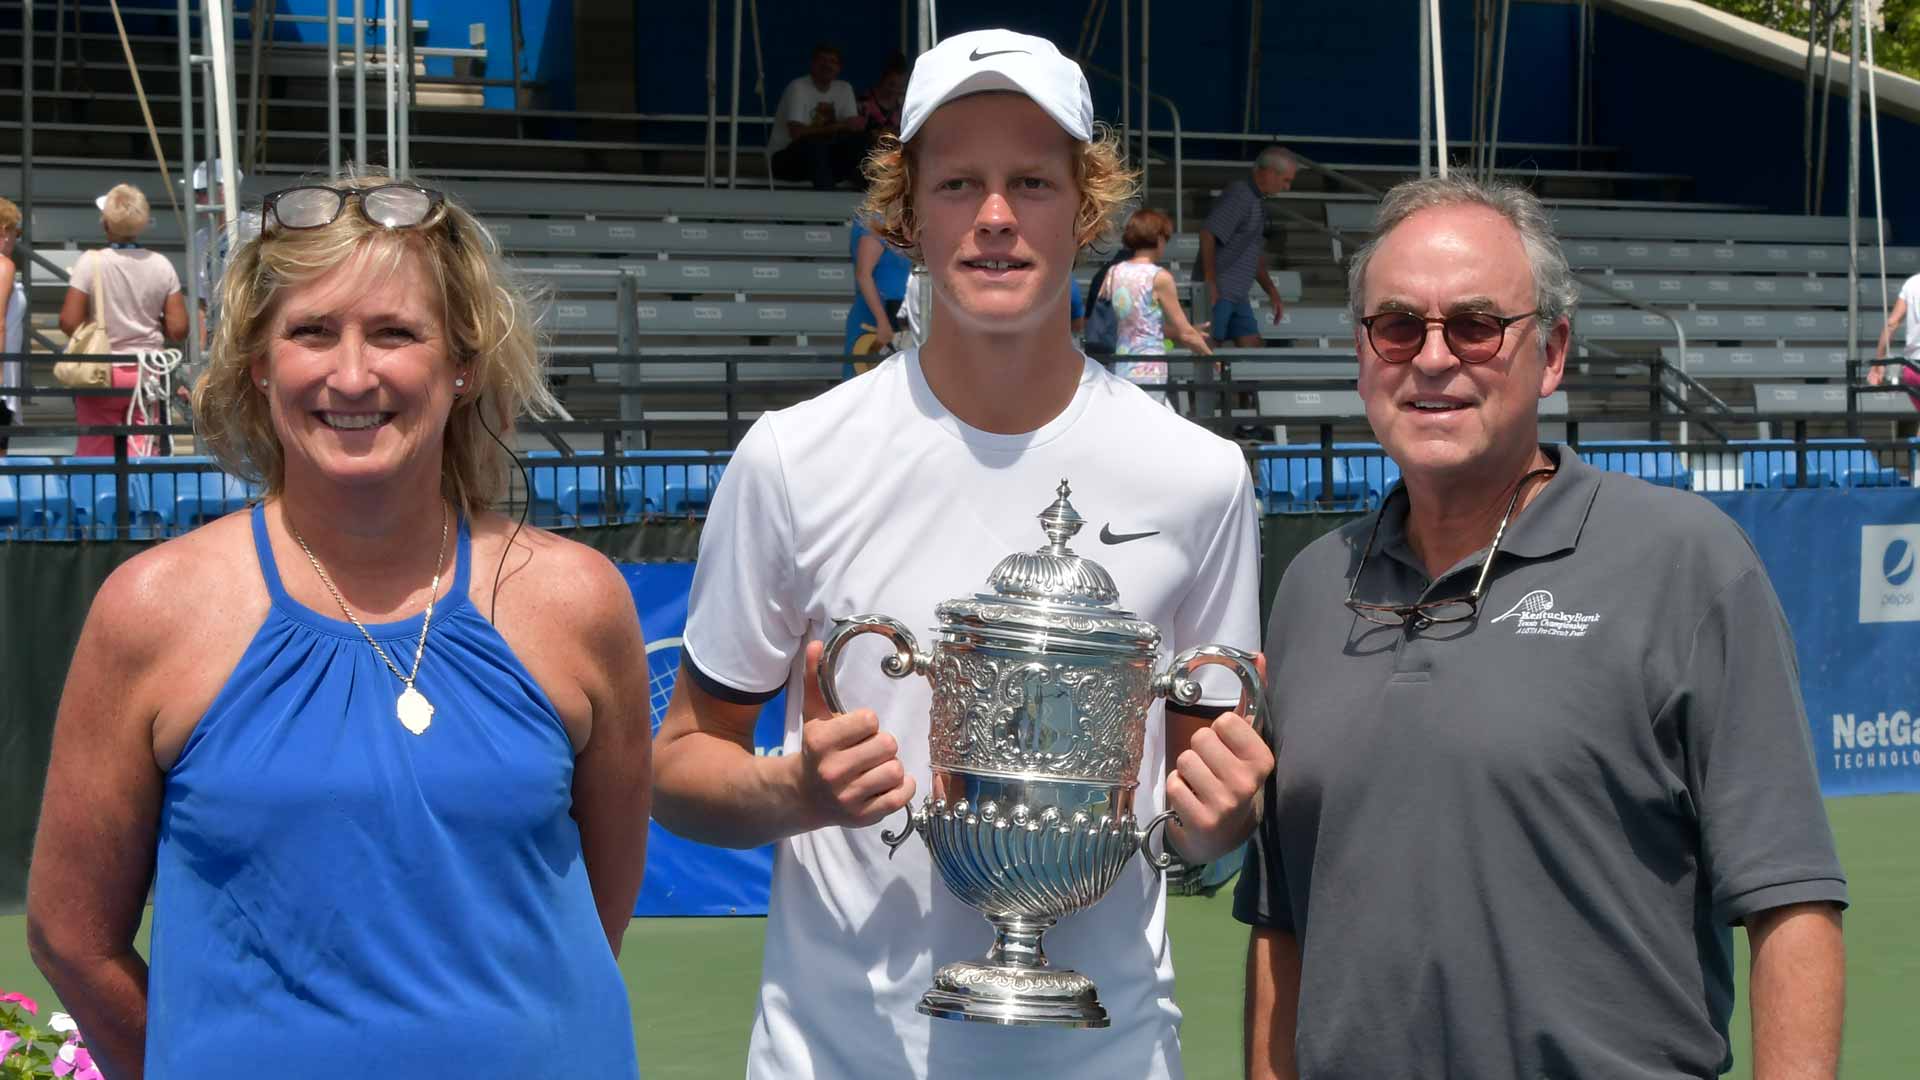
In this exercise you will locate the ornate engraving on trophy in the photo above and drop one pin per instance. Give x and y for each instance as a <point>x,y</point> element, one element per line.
<point>1041,691</point>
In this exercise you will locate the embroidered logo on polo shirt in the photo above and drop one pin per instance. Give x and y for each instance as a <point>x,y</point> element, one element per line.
<point>1535,614</point>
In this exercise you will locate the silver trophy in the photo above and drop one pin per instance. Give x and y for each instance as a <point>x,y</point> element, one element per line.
<point>1041,689</point>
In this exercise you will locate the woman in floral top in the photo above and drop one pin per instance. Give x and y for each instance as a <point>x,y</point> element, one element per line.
<point>1146,305</point>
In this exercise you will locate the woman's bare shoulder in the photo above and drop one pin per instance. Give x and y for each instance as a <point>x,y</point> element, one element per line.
<point>186,584</point>
<point>564,584</point>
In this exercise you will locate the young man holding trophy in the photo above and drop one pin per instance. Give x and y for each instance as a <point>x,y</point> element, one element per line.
<point>903,489</point>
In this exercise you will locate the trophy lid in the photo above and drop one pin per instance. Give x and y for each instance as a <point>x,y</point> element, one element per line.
<point>1051,599</point>
<point>1054,573</point>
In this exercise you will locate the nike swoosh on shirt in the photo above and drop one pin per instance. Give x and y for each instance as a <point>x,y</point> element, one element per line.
<point>977,56</point>
<point>1108,536</point>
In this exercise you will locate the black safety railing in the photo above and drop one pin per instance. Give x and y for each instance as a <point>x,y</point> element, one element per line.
<point>663,456</point>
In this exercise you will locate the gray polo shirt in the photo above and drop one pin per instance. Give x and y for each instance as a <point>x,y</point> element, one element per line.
<point>1238,222</point>
<point>1514,846</point>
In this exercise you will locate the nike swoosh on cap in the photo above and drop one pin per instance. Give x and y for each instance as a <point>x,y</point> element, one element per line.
<point>1108,536</point>
<point>976,55</point>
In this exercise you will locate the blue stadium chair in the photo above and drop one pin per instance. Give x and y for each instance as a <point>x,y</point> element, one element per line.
<point>673,486</point>
<point>42,506</point>
<point>84,490</point>
<point>1877,476</point>
<point>1294,485</point>
<point>1769,463</point>
<point>551,482</point>
<point>1367,461</point>
<point>202,497</point>
<point>1652,460</point>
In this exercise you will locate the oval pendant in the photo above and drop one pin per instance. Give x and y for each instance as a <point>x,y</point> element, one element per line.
<point>415,711</point>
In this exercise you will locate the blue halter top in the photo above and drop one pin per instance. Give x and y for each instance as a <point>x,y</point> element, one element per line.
<point>335,896</point>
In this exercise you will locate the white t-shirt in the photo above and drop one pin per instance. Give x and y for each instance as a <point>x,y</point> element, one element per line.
<point>797,103</point>
<point>1910,292</point>
<point>874,498</point>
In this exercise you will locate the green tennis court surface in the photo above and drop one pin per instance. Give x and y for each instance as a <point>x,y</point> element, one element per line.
<point>692,980</point>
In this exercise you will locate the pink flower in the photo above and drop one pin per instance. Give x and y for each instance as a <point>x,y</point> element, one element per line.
<point>74,1060</point>
<point>8,1040</point>
<point>22,1000</point>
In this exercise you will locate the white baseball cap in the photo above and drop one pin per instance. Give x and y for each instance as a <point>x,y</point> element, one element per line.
<point>201,171</point>
<point>983,60</point>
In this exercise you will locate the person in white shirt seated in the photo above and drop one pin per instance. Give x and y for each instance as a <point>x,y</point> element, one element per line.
<point>818,133</point>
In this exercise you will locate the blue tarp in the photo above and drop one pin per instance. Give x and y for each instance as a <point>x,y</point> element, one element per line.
<point>685,878</point>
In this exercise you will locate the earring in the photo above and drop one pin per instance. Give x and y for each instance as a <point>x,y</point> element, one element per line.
<point>263,384</point>
<point>457,383</point>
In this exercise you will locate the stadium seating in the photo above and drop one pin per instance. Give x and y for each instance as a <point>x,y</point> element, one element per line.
<point>1653,461</point>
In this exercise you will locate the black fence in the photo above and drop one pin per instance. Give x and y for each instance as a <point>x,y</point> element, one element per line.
<point>680,413</point>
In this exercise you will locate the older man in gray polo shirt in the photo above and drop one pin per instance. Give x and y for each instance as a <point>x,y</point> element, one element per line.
<point>1541,740</point>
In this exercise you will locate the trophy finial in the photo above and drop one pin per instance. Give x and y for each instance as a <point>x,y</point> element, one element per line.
<point>1061,520</point>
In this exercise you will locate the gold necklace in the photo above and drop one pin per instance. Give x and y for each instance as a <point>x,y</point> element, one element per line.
<point>413,708</point>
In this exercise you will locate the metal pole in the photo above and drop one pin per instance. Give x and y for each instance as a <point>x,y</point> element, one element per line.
<point>1126,81</point>
<point>194,256</point>
<point>1580,89</point>
<point>1426,91</point>
<point>1853,219</point>
<point>1251,109</point>
<point>404,107</point>
<point>360,83</point>
<point>1825,106</point>
<point>519,44</point>
<point>257,25</point>
<point>218,20</point>
<point>1879,198</point>
<point>733,123</point>
<point>1806,124</point>
<point>387,72</point>
<point>1439,89</point>
<point>26,134</point>
<point>1499,87</point>
<point>1146,110</point>
<point>713,90</point>
<point>60,39</point>
<point>333,88</point>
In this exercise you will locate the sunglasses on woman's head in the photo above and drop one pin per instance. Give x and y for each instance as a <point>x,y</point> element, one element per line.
<point>391,206</point>
<point>1473,336</point>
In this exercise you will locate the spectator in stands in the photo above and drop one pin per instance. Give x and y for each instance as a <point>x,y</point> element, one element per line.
<point>818,133</point>
<point>331,857</point>
<point>1233,249</point>
<point>218,238</point>
<point>13,316</point>
<point>880,286</point>
<point>135,293</point>
<point>1552,749</point>
<point>1146,304</point>
<point>1906,312</point>
<point>880,106</point>
<point>1233,257</point>
<point>896,491</point>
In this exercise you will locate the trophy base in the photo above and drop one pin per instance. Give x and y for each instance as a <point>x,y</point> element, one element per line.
<point>998,994</point>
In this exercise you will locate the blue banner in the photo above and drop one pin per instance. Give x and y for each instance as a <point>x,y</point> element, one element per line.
<point>1843,563</point>
<point>683,877</point>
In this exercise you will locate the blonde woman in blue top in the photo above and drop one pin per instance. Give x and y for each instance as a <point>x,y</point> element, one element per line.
<point>382,755</point>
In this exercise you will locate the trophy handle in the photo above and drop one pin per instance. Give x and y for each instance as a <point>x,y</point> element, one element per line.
<point>907,659</point>
<point>1178,685</point>
<point>1160,861</point>
<point>916,820</point>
